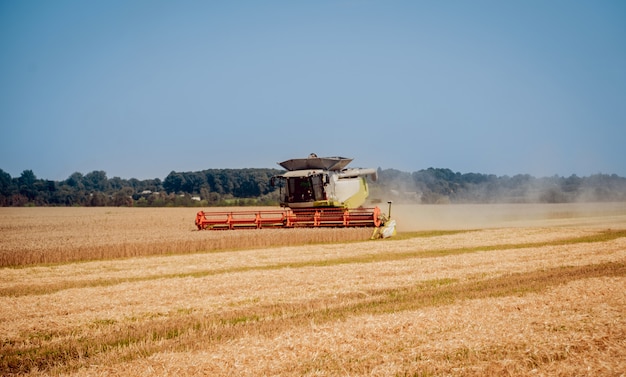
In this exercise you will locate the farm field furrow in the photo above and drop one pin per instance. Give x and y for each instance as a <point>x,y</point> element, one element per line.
<point>58,277</point>
<point>538,298</point>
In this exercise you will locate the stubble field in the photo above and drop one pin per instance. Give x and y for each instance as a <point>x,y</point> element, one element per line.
<point>463,291</point>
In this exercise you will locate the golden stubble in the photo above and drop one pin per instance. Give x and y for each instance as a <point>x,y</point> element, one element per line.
<point>568,330</point>
<point>328,309</point>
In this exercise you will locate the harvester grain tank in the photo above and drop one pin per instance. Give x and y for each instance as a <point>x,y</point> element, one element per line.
<point>314,192</point>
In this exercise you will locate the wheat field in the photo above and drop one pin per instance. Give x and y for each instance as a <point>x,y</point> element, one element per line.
<point>510,290</point>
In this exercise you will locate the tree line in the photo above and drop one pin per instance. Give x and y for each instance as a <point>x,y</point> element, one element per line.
<point>215,187</point>
<point>223,187</point>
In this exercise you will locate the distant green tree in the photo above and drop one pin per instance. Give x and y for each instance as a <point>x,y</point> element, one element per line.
<point>5,183</point>
<point>193,182</point>
<point>117,183</point>
<point>96,181</point>
<point>26,183</point>
<point>76,181</point>
<point>173,183</point>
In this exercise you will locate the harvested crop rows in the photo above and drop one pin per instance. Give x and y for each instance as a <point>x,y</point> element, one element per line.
<point>532,299</point>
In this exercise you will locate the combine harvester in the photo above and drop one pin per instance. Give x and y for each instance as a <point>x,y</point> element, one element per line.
<point>315,192</point>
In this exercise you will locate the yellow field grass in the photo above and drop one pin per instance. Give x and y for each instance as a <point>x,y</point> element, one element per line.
<point>543,296</point>
<point>59,235</point>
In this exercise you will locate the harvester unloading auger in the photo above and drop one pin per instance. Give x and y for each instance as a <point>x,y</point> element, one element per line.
<point>314,192</point>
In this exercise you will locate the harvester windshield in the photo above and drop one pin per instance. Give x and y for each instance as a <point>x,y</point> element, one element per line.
<point>305,189</point>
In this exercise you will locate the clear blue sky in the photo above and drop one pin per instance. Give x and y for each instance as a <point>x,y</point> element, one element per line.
<point>141,88</point>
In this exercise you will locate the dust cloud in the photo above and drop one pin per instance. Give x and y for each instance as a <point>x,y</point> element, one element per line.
<point>439,199</point>
<point>421,217</point>
<point>443,186</point>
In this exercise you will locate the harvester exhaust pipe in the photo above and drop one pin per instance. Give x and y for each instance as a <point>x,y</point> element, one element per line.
<point>389,212</point>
